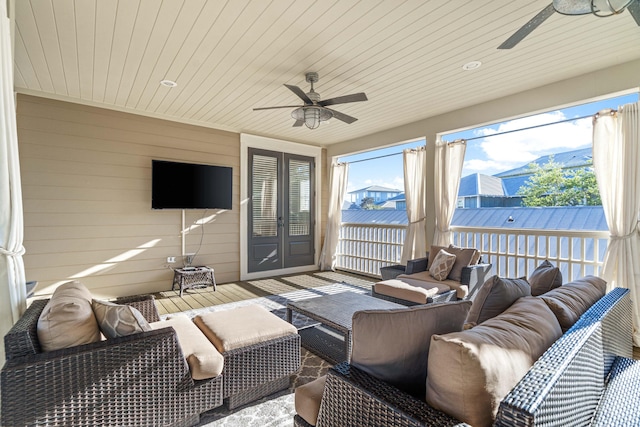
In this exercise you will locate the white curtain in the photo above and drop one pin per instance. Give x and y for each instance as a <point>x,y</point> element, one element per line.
<point>338,185</point>
<point>415,242</point>
<point>12,280</point>
<point>447,171</point>
<point>616,160</point>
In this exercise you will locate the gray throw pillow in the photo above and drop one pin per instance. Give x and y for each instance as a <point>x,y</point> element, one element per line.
<point>117,320</point>
<point>393,345</point>
<point>495,296</point>
<point>544,278</point>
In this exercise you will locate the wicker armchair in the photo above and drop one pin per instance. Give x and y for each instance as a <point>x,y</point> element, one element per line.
<point>140,379</point>
<point>473,276</point>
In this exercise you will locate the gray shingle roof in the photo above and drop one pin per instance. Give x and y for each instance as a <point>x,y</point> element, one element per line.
<point>568,159</point>
<point>480,184</point>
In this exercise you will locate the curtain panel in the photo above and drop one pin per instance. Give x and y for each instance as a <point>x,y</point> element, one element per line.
<point>415,242</point>
<point>616,160</point>
<point>338,189</point>
<point>447,171</point>
<point>12,278</point>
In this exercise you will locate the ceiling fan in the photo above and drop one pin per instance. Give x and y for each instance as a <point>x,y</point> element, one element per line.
<point>315,110</point>
<point>600,8</point>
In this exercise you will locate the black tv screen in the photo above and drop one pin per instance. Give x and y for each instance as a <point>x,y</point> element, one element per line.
<point>190,186</point>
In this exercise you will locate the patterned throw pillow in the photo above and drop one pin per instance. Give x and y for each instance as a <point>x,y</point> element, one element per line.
<point>442,265</point>
<point>117,320</point>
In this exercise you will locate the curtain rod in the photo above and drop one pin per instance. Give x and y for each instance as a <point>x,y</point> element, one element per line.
<point>383,156</point>
<point>521,129</point>
<point>487,136</point>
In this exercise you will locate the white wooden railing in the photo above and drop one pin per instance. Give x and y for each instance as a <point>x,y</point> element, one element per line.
<point>517,252</point>
<point>364,248</point>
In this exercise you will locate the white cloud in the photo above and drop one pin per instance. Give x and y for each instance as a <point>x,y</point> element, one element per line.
<point>481,166</point>
<point>397,182</point>
<point>509,150</point>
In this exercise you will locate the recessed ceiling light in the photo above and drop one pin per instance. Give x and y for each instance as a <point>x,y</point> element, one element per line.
<point>471,65</point>
<point>168,83</point>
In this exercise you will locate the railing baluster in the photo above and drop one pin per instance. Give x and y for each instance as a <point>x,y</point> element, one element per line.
<point>364,248</point>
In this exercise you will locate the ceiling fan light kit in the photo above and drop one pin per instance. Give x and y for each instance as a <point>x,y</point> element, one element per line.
<point>311,116</point>
<point>315,111</point>
<point>599,8</point>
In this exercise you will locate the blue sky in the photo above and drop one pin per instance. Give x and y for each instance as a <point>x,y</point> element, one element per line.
<point>490,155</point>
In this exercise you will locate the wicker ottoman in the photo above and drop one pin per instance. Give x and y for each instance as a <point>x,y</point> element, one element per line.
<point>260,350</point>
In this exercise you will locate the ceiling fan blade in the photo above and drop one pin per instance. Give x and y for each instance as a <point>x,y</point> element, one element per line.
<point>343,117</point>
<point>300,93</point>
<point>272,108</point>
<point>634,10</point>
<point>354,97</point>
<point>298,123</point>
<point>528,27</point>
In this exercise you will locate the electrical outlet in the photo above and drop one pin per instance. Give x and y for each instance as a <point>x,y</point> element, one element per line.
<point>171,259</point>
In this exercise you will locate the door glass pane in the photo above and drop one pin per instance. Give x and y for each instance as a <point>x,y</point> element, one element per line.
<point>265,196</point>
<point>299,197</point>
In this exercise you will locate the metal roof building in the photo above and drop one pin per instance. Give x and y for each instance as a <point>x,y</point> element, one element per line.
<point>549,218</point>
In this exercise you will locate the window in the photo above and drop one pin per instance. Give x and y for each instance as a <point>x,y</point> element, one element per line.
<point>541,160</point>
<point>379,168</point>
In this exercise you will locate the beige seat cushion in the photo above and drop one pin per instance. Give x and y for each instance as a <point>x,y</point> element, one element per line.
<point>464,257</point>
<point>307,399</point>
<point>418,279</point>
<point>569,301</point>
<point>116,320</point>
<point>496,295</point>
<point>433,253</point>
<point>202,357</point>
<point>68,320</point>
<point>393,345</point>
<point>398,288</point>
<point>242,326</point>
<point>470,372</point>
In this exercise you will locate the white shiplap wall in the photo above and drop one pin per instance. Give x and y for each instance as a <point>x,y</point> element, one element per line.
<point>86,179</point>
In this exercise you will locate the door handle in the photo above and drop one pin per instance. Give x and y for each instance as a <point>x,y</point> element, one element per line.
<point>280,222</point>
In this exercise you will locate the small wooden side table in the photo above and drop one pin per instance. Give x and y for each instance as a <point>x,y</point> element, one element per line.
<point>193,277</point>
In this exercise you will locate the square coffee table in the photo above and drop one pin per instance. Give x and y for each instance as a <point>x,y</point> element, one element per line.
<point>331,339</point>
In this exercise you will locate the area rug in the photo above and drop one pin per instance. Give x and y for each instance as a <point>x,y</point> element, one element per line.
<point>277,409</point>
<point>274,410</point>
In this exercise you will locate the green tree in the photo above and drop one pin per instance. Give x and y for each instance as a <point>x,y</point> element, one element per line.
<point>550,185</point>
<point>368,203</point>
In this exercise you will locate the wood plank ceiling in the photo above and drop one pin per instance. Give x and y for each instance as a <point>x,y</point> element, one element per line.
<point>231,56</point>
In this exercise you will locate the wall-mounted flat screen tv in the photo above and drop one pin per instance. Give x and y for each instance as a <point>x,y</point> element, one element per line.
<point>177,185</point>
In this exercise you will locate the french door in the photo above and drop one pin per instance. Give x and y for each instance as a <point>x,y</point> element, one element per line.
<point>281,211</point>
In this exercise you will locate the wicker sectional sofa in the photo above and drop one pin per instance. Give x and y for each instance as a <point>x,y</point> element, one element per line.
<point>591,359</point>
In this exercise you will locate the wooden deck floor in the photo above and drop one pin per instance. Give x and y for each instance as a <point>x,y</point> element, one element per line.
<point>171,302</point>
